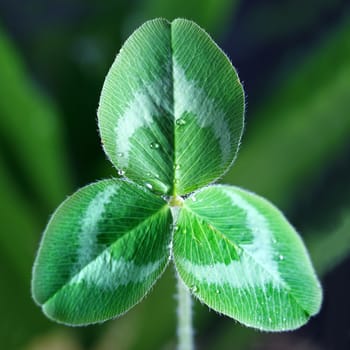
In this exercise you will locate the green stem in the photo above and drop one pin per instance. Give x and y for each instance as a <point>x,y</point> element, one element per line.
<point>184,317</point>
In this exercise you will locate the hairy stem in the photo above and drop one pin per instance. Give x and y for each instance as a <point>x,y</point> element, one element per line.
<point>184,317</point>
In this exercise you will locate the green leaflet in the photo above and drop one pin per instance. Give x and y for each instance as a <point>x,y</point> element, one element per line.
<point>241,257</point>
<point>171,108</point>
<point>101,252</point>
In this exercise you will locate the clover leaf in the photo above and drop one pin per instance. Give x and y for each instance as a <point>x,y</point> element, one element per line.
<point>171,118</point>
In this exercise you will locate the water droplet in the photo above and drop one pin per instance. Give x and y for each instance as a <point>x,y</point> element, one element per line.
<point>194,289</point>
<point>281,257</point>
<point>120,154</point>
<point>193,198</point>
<point>274,240</point>
<point>155,185</point>
<point>176,166</point>
<point>121,172</point>
<point>148,185</point>
<point>180,122</point>
<point>155,145</point>
<point>217,291</point>
<point>270,319</point>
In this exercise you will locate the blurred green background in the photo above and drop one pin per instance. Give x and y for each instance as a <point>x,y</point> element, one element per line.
<point>293,57</point>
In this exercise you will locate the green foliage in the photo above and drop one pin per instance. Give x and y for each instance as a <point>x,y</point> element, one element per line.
<point>243,259</point>
<point>171,119</point>
<point>31,162</point>
<point>310,108</point>
<point>29,126</point>
<point>118,236</point>
<point>334,242</point>
<point>175,126</point>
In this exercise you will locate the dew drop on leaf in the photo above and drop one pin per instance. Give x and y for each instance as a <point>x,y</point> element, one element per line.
<point>155,145</point>
<point>156,185</point>
<point>194,289</point>
<point>281,257</point>
<point>180,122</point>
<point>121,172</point>
<point>120,154</point>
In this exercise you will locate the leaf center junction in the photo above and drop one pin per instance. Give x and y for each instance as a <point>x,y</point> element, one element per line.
<point>175,201</point>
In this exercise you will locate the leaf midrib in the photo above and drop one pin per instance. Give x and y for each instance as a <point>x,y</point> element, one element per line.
<point>173,104</point>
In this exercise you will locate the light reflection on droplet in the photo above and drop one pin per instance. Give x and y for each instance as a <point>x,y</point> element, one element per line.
<point>148,185</point>
<point>121,172</point>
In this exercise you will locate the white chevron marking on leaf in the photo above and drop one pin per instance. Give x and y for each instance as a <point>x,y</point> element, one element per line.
<point>256,265</point>
<point>188,97</point>
<point>89,226</point>
<point>108,273</point>
<point>147,105</point>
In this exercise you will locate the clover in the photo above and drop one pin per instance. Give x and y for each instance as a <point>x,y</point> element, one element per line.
<point>171,117</point>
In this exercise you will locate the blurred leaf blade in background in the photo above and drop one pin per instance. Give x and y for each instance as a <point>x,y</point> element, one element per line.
<point>20,228</point>
<point>32,151</point>
<point>19,224</point>
<point>30,128</point>
<point>335,242</point>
